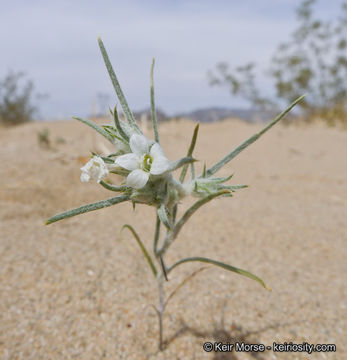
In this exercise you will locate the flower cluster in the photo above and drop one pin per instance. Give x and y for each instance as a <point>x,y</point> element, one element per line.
<point>142,162</point>
<point>147,171</point>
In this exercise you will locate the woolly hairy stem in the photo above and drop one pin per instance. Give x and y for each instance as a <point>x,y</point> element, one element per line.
<point>160,310</point>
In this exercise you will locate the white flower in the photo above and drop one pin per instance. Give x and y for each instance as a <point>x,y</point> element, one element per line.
<point>145,160</point>
<point>95,169</point>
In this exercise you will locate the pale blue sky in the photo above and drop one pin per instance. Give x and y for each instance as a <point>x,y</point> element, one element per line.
<point>55,43</point>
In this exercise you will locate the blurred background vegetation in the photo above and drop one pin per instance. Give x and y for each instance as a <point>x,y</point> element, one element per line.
<point>16,99</point>
<point>312,61</point>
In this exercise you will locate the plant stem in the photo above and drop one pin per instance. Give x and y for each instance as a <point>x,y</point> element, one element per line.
<point>161,309</point>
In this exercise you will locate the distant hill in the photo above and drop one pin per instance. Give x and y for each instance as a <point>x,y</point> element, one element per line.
<point>212,114</point>
<point>215,114</point>
<point>146,114</point>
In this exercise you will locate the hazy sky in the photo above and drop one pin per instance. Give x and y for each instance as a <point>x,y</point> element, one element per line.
<point>55,43</point>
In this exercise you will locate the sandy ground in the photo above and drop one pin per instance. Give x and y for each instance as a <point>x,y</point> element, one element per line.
<point>74,290</point>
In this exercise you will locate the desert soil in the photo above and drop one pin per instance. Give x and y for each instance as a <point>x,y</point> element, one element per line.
<point>75,290</point>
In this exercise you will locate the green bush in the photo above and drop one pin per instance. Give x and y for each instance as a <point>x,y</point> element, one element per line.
<point>16,99</point>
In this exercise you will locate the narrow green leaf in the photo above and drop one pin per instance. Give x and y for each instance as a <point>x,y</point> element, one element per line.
<point>153,112</point>
<point>251,140</point>
<point>162,213</point>
<point>221,180</point>
<point>156,235</point>
<point>178,163</point>
<point>120,172</point>
<point>174,214</point>
<point>204,171</point>
<point>118,125</point>
<point>190,153</point>
<point>86,208</point>
<point>222,265</point>
<point>163,267</point>
<point>192,169</point>
<point>115,134</point>
<point>113,187</point>
<point>194,208</point>
<point>106,159</point>
<point>101,131</point>
<point>233,188</point>
<point>186,216</point>
<point>116,85</point>
<point>142,247</point>
<point>115,154</point>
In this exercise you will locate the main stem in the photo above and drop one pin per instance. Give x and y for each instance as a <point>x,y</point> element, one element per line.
<point>161,309</point>
<point>161,278</point>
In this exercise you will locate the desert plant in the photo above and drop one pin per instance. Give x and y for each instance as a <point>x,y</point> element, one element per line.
<point>148,179</point>
<point>241,82</point>
<point>43,138</point>
<point>16,100</point>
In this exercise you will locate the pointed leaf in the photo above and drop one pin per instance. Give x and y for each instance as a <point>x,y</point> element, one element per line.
<point>156,235</point>
<point>118,125</point>
<point>178,163</point>
<point>153,112</point>
<point>251,140</point>
<point>190,152</point>
<point>221,180</point>
<point>204,171</point>
<point>162,213</point>
<point>142,247</point>
<point>222,265</point>
<point>120,172</point>
<point>173,234</point>
<point>113,187</point>
<point>106,159</point>
<point>233,188</point>
<point>195,207</point>
<point>163,267</point>
<point>116,85</point>
<point>101,131</point>
<point>86,208</point>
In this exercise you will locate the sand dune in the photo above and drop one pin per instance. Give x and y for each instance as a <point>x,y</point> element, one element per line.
<point>74,290</point>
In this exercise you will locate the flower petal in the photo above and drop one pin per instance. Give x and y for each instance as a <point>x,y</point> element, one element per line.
<point>159,165</point>
<point>128,161</point>
<point>137,179</point>
<point>95,169</point>
<point>85,177</point>
<point>156,150</point>
<point>139,144</point>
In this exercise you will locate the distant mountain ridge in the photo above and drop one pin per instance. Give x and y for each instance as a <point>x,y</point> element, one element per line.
<point>212,114</point>
<point>215,114</point>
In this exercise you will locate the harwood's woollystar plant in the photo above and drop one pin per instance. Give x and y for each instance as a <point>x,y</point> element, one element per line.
<point>148,179</point>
